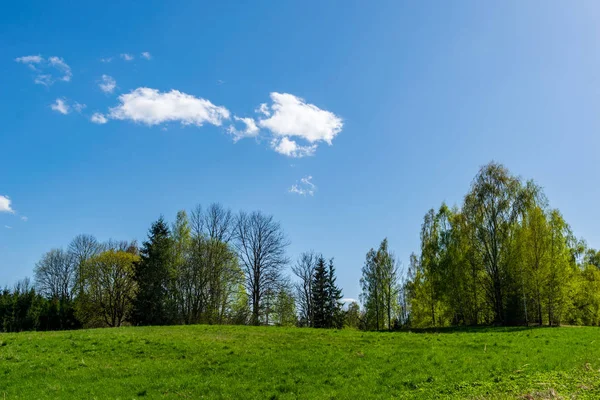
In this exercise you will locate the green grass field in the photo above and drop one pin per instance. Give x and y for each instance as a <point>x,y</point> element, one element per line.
<point>276,363</point>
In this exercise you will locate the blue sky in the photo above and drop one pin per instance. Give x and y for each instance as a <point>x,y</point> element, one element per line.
<point>404,101</point>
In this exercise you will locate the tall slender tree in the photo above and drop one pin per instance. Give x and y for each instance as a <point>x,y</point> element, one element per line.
<point>261,245</point>
<point>152,275</point>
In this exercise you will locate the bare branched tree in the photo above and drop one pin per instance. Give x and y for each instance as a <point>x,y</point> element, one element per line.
<point>219,223</point>
<point>211,274</point>
<point>82,248</point>
<point>304,269</point>
<point>55,275</point>
<point>261,245</point>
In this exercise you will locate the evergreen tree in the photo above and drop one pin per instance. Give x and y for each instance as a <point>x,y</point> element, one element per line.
<point>335,315</point>
<point>326,296</point>
<point>320,301</point>
<point>152,276</point>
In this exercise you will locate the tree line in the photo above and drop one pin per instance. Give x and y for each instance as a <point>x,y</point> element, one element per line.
<point>503,257</point>
<point>211,267</point>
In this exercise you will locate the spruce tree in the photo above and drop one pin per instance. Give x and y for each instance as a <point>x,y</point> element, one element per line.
<point>335,315</point>
<point>320,295</point>
<point>152,276</point>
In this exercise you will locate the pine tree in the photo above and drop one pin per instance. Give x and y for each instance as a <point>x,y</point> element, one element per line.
<point>335,316</point>
<point>152,276</point>
<point>320,294</point>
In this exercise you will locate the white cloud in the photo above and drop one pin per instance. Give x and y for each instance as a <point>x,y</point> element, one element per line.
<point>292,116</point>
<point>79,107</point>
<point>146,55</point>
<point>98,118</point>
<point>251,130</point>
<point>62,66</point>
<point>39,64</point>
<point>127,57</point>
<point>349,300</point>
<point>151,107</point>
<point>290,148</point>
<point>60,106</point>
<point>305,187</point>
<point>5,204</point>
<point>30,60</point>
<point>263,109</point>
<point>106,60</point>
<point>24,218</point>
<point>107,84</point>
<point>8,227</point>
<point>44,79</point>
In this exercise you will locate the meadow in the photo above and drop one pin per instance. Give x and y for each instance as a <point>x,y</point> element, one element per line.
<point>225,362</point>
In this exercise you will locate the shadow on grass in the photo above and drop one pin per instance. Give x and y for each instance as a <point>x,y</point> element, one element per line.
<point>471,329</point>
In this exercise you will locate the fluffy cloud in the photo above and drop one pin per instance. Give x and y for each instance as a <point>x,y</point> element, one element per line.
<point>151,107</point>
<point>5,205</point>
<point>146,55</point>
<point>305,187</point>
<point>292,116</point>
<point>98,118</point>
<point>250,130</point>
<point>127,57</point>
<point>61,106</point>
<point>107,84</point>
<point>47,71</point>
<point>290,148</point>
<point>106,60</point>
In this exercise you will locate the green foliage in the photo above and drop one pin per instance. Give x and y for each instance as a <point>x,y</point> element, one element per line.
<point>326,296</point>
<point>504,258</point>
<point>23,309</point>
<point>152,276</point>
<point>380,289</point>
<point>352,318</point>
<point>108,289</point>
<point>226,362</point>
<point>285,308</point>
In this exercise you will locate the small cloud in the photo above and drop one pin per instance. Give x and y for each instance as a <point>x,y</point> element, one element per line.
<point>8,227</point>
<point>107,84</point>
<point>5,205</point>
<point>98,118</point>
<point>44,79</point>
<point>60,64</point>
<point>220,82</point>
<point>106,60</point>
<point>60,106</point>
<point>79,107</point>
<point>45,67</point>
<point>349,300</point>
<point>264,110</point>
<point>127,57</point>
<point>251,130</point>
<point>305,187</point>
<point>290,148</point>
<point>24,218</point>
<point>30,60</point>
<point>146,55</point>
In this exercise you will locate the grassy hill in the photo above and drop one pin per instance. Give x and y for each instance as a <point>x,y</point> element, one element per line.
<point>276,363</point>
